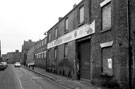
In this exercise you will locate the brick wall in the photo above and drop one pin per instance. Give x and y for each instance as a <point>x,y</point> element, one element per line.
<point>118,34</point>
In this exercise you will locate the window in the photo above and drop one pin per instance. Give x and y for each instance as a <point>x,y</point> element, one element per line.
<point>66,23</point>
<point>81,15</point>
<point>49,54</point>
<point>106,17</point>
<point>45,41</point>
<point>44,54</point>
<point>49,36</point>
<point>42,42</point>
<point>37,55</point>
<point>40,55</point>
<point>38,45</point>
<point>107,62</point>
<point>56,33</point>
<point>55,53</point>
<point>66,50</point>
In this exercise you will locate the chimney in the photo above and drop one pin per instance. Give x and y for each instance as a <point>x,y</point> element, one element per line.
<point>60,18</point>
<point>30,41</point>
<point>74,5</point>
<point>16,51</point>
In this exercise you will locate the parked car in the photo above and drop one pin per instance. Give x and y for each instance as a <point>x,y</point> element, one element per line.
<point>17,64</point>
<point>3,65</point>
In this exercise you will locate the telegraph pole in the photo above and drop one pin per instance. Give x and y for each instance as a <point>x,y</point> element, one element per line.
<point>0,48</point>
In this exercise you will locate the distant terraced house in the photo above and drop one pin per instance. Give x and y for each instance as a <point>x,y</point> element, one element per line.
<point>40,53</point>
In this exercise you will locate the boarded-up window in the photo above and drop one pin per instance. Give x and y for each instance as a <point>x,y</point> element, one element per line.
<point>66,23</point>
<point>81,14</point>
<point>40,55</point>
<point>49,36</point>
<point>55,53</point>
<point>106,17</point>
<point>45,41</point>
<point>44,54</point>
<point>66,50</point>
<point>56,32</point>
<point>107,61</point>
<point>42,42</point>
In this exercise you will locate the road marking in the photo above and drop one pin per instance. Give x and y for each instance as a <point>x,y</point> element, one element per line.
<point>77,87</point>
<point>36,78</point>
<point>19,81</point>
<point>36,83</point>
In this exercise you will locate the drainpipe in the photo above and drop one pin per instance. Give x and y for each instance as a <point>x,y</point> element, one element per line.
<point>129,43</point>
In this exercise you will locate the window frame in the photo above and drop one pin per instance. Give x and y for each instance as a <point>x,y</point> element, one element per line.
<point>56,32</point>
<point>103,71</point>
<point>81,22</point>
<point>65,50</point>
<point>66,24</point>
<point>45,41</point>
<point>49,37</point>
<point>102,28</point>
<point>44,54</point>
<point>55,53</point>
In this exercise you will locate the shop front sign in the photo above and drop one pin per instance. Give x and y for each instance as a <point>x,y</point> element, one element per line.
<point>80,32</point>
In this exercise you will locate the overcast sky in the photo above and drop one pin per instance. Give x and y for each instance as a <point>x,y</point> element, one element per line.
<point>28,19</point>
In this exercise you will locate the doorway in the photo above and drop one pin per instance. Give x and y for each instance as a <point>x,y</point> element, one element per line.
<point>83,50</point>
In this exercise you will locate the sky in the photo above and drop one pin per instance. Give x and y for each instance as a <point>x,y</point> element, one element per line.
<point>29,19</point>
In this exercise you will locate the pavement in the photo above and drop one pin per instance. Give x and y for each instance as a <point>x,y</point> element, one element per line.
<point>68,83</point>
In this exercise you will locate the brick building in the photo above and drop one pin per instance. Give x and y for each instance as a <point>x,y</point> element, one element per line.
<point>4,57</point>
<point>30,55</point>
<point>12,57</point>
<point>25,47</point>
<point>71,33</point>
<point>40,53</point>
<point>95,42</point>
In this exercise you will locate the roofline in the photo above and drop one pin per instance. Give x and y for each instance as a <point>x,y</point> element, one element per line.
<point>66,15</point>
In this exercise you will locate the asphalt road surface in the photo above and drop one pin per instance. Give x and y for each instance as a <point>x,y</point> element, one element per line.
<point>20,78</point>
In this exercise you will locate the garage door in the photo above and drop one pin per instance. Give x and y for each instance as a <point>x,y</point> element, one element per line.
<point>84,48</point>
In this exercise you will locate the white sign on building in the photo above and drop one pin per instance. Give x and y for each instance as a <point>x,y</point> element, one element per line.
<point>80,32</point>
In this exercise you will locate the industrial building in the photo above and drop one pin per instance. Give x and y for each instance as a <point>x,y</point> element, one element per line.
<point>40,53</point>
<point>94,42</point>
<point>12,57</point>
<point>25,47</point>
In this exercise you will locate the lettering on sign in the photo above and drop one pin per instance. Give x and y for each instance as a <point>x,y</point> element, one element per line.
<point>80,32</point>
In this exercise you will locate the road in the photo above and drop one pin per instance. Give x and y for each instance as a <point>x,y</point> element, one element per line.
<point>20,78</point>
